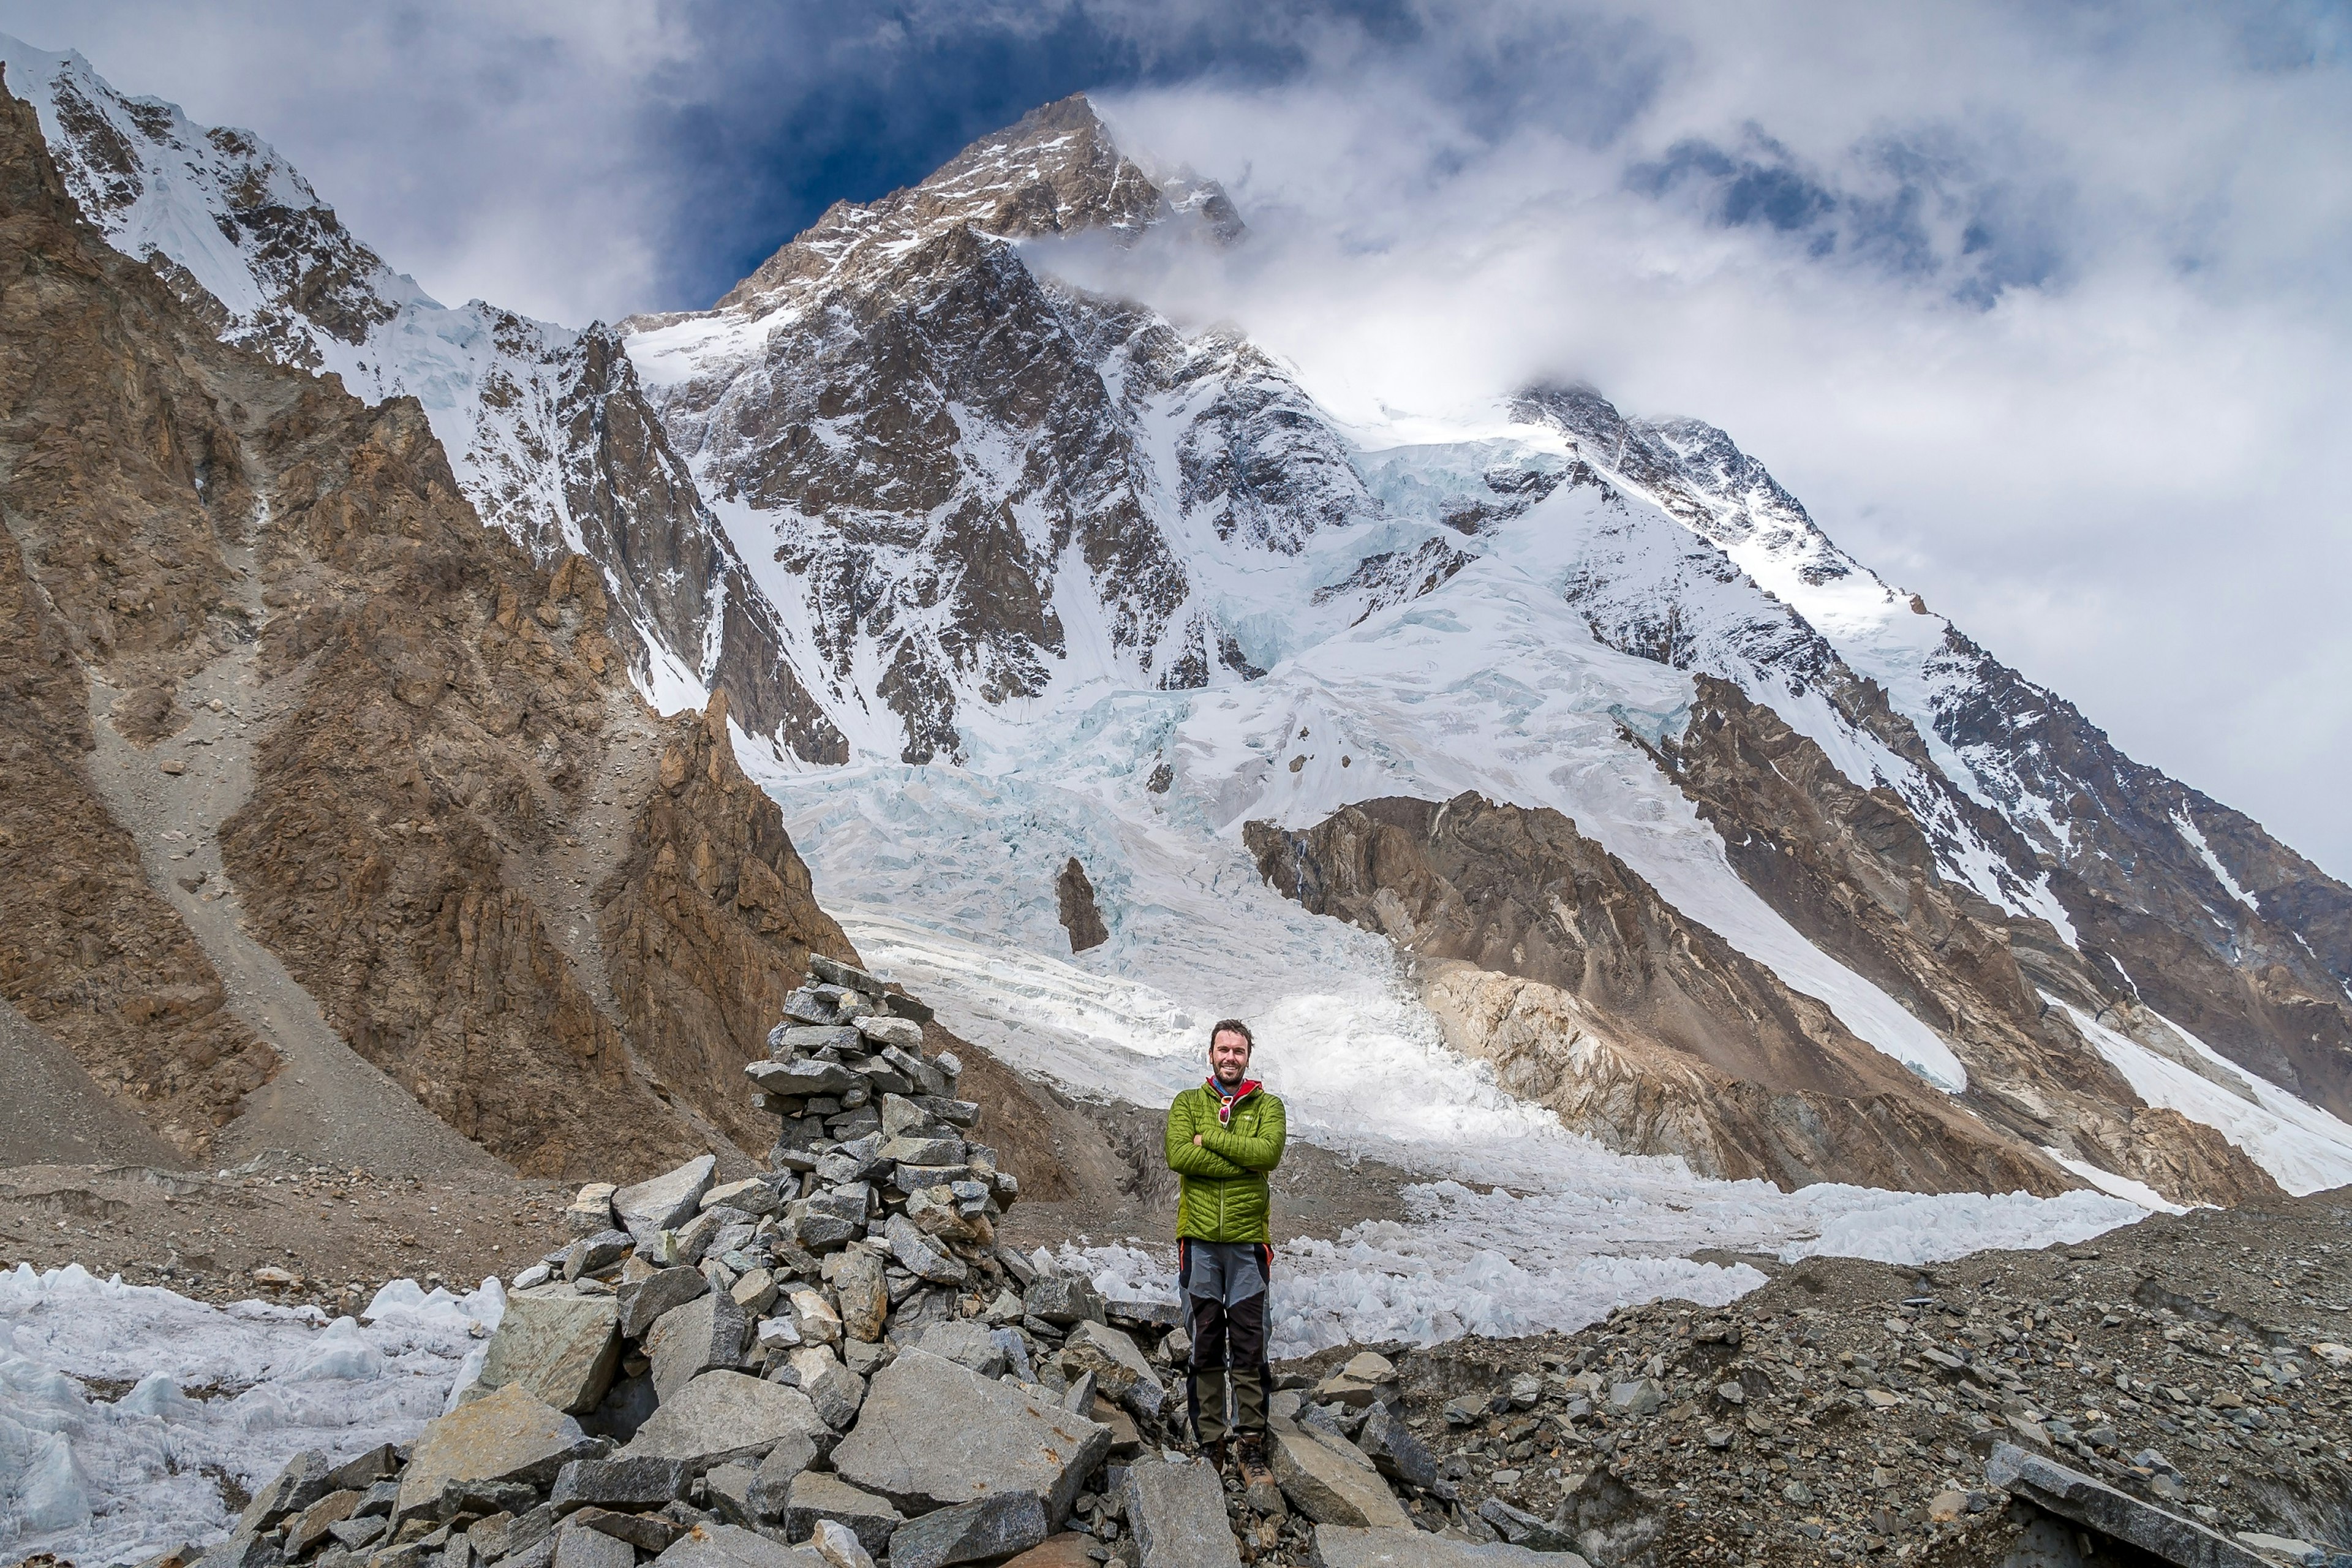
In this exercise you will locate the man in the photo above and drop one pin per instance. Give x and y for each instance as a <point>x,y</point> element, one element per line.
<point>1223,1139</point>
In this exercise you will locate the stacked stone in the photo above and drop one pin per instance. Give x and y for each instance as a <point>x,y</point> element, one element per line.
<point>874,1134</point>
<point>834,1361</point>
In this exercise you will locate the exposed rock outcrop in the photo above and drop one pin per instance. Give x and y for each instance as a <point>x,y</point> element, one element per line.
<point>452,745</point>
<point>1850,869</point>
<point>1074,898</point>
<point>1639,1025</point>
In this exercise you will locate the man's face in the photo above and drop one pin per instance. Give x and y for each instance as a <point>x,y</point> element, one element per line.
<point>1229,1056</point>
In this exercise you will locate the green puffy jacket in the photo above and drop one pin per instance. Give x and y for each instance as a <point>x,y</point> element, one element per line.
<point>1223,1193</point>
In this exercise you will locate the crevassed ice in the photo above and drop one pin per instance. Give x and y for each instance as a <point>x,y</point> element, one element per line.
<point>99,1482</point>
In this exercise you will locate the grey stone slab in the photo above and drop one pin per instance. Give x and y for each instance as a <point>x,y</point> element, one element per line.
<point>966,1343</point>
<point>860,1292</point>
<point>594,1254</point>
<point>982,1531</point>
<point>726,1492</point>
<point>1121,1370</point>
<point>665,1201</point>
<point>1342,1546</point>
<point>920,1254</point>
<point>752,1196</point>
<point>806,1040</point>
<point>815,1496</point>
<point>625,1486</point>
<point>1520,1528</point>
<point>1063,1299</point>
<point>307,1477</point>
<point>833,972</point>
<point>933,1434</point>
<point>909,1150</point>
<point>1177,1514</point>
<point>807,1005</point>
<point>1332,1483</point>
<point>504,1435</point>
<point>362,1470</point>
<point>921,1076</point>
<point>577,1546</point>
<point>2070,1494</point>
<point>904,1032</point>
<point>833,1388</point>
<point>803,1078</point>
<point>1394,1451</point>
<point>563,1348</point>
<point>733,1546</point>
<point>643,1301</point>
<point>686,1342</point>
<point>724,1415</point>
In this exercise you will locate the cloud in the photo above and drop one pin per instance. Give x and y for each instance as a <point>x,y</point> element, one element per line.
<point>2043,310</point>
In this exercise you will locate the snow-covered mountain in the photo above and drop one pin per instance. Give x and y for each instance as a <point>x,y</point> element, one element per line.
<point>1709,839</point>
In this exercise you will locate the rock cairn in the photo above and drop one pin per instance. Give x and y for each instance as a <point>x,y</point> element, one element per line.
<point>833,1361</point>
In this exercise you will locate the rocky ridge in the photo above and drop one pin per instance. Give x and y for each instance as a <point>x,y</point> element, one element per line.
<point>546,428</point>
<point>290,714</point>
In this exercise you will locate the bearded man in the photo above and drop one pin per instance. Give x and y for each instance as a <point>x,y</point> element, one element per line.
<point>1224,1137</point>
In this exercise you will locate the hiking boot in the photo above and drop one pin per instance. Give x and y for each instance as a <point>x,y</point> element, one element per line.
<point>1258,1491</point>
<point>1215,1452</point>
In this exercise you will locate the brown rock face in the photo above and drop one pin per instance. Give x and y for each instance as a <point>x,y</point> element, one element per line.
<point>1852,871</point>
<point>107,558</point>
<point>708,925</point>
<point>447,760</point>
<point>2262,980</point>
<point>1646,1029</point>
<point>1074,898</point>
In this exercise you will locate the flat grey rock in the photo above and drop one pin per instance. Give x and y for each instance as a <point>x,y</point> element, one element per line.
<point>855,1276</point>
<point>1062,1300</point>
<point>1343,1546</point>
<point>982,1531</point>
<point>667,1201</point>
<point>934,1433</point>
<point>577,1546</point>
<point>966,1343</point>
<point>724,1415</point>
<point>832,972</point>
<point>506,1436</point>
<point>904,1032</point>
<point>560,1347</point>
<point>815,1496</point>
<point>803,1078</point>
<point>920,1254</point>
<point>644,1300</point>
<point>733,1546</point>
<point>1331,1482</point>
<point>1394,1451</point>
<point>623,1485</point>
<point>686,1342</point>
<point>1121,1371</point>
<point>2070,1494</point>
<point>1177,1514</point>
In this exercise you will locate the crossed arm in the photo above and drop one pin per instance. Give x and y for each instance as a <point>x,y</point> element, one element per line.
<point>1199,1147</point>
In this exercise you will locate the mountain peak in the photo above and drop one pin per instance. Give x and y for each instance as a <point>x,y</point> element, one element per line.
<point>1054,171</point>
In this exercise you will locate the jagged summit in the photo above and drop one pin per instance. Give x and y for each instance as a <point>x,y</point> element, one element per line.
<point>1054,170</point>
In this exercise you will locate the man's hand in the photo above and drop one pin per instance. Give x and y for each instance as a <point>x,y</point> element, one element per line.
<point>1196,1140</point>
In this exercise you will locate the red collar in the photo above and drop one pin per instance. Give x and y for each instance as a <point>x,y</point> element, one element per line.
<point>1226,1102</point>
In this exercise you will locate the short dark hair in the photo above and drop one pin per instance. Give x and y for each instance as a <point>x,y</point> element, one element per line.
<point>1232,1027</point>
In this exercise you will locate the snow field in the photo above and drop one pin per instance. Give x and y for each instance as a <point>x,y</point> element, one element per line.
<point>2303,1148</point>
<point>218,1393</point>
<point>954,872</point>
